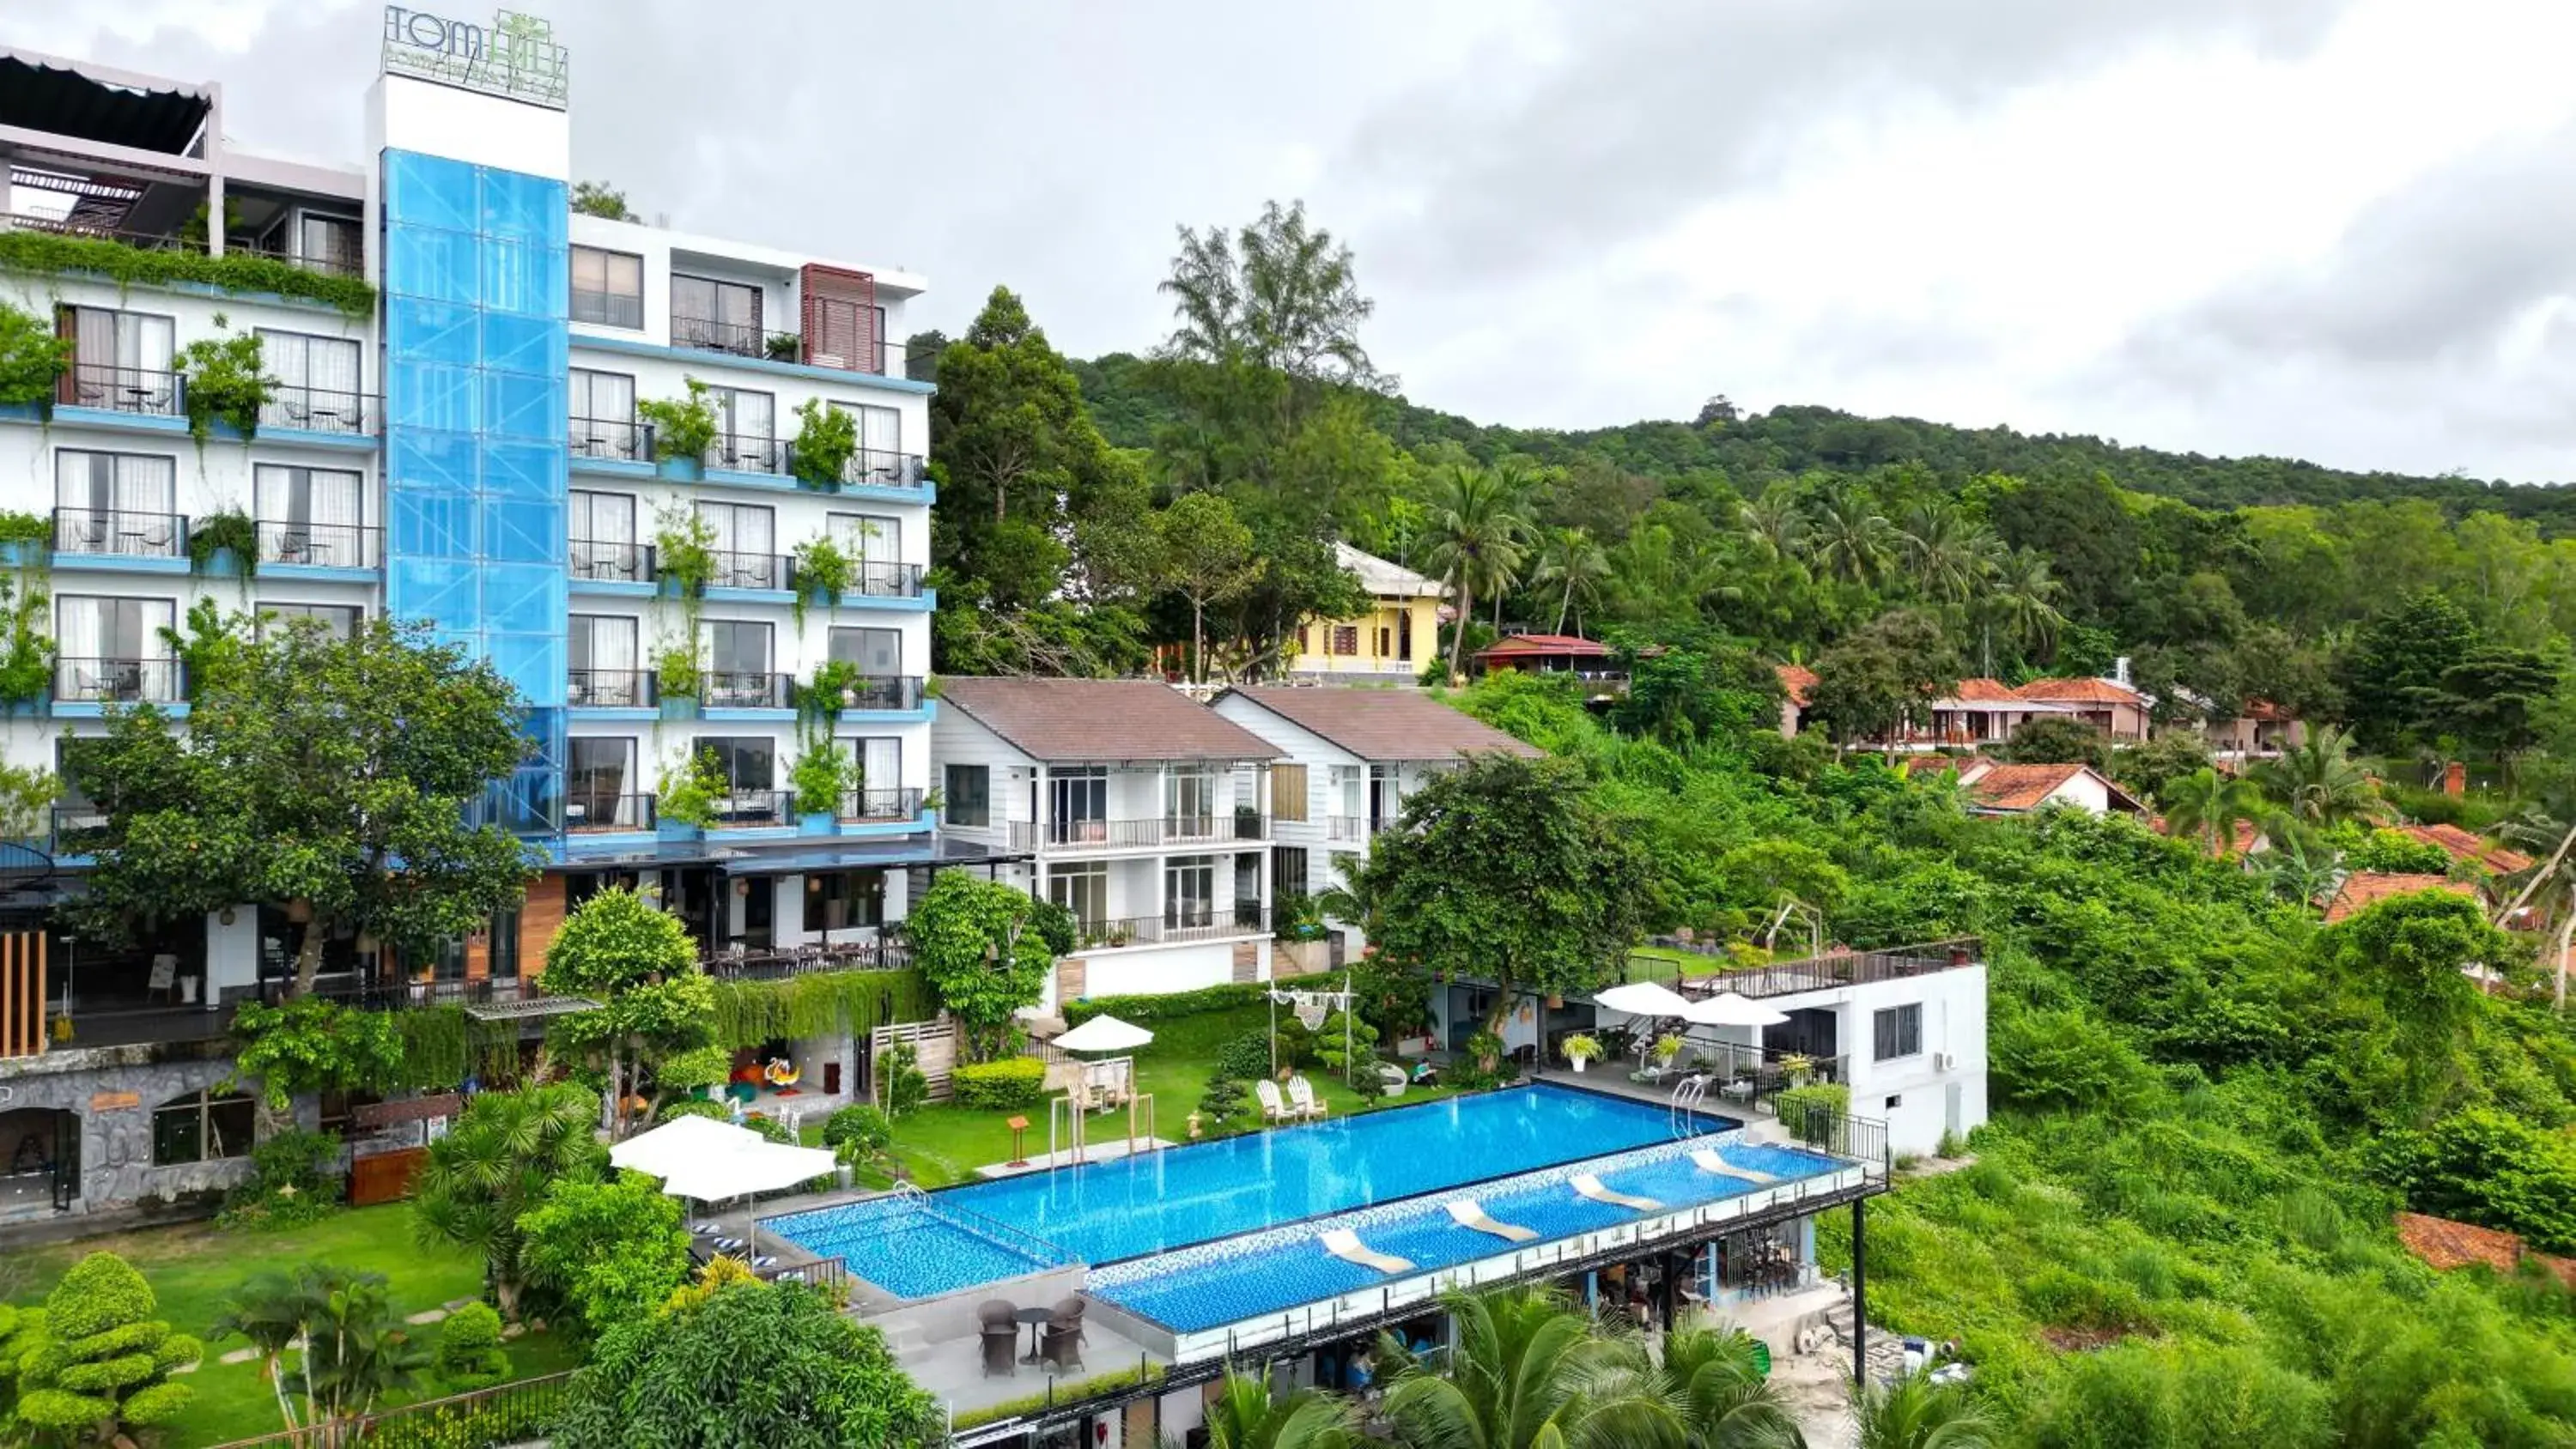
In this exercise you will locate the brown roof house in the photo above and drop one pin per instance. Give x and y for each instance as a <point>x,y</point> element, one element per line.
<point>2468,848</point>
<point>1146,815</point>
<point>2366,888</point>
<point>1352,756</point>
<point>2445,1243</point>
<point>1798,685</point>
<point>1995,788</point>
<point>2112,706</point>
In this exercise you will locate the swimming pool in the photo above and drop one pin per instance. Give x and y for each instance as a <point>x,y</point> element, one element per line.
<point>1158,1201</point>
<point>1225,1283</point>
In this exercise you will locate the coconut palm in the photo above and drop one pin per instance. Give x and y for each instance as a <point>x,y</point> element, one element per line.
<point>1475,541</point>
<point>1853,540</point>
<point>1246,1415</point>
<point>1527,1371</point>
<point>1777,525</point>
<point>1569,560</point>
<point>2209,805</point>
<point>353,1346</point>
<point>2299,867</point>
<point>2319,783</point>
<point>1726,1403</point>
<point>1916,1413</point>
<point>2023,599</point>
<point>498,1159</point>
<point>1950,555</point>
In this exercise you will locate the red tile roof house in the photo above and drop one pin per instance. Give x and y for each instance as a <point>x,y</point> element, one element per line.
<point>1995,788</point>
<point>2263,730</point>
<point>2365,888</point>
<point>2107,704</point>
<point>1586,659</point>
<point>2466,847</point>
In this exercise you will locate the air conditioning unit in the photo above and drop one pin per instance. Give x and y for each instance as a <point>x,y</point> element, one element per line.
<point>1944,1062</point>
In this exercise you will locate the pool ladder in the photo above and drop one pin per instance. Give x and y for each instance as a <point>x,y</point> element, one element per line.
<point>1688,1094</point>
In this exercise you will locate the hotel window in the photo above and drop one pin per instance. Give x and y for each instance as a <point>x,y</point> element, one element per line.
<point>745,545</point>
<point>1346,791</point>
<point>875,540</point>
<point>330,243</point>
<point>607,287</point>
<point>340,621</point>
<point>603,417</point>
<point>880,762</point>
<point>201,1127</point>
<point>749,763</point>
<point>1346,639</point>
<point>317,382</point>
<point>600,789</point>
<point>116,503</point>
<point>1288,792</point>
<point>114,649</point>
<point>880,456</point>
<point>1083,890</point>
<point>120,360</point>
<point>1288,868</point>
<point>312,516</point>
<point>603,538</point>
<point>1078,800</point>
<point>746,430</point>
<point>737,655</point>
<point>878,653</point>
<point>968,790</point>
<point>606,672</point>
<point>842,899</point>
<point>1896,1032</point>
<point>1189,890</point>
<point>889,360</point>
<point>723,316</point>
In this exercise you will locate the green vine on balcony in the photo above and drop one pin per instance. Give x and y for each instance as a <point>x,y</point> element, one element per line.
<point>676,672</point>
<point>224,380</point>
<point>821,567</point>
<point>826,439</point>
<point>822,774</point>
<point>26,651</point>
<point>824,696</point>
<point>32,359</point>
<point>682,427</point>
<point>689,788</point>
<point>130,266</point>
<point>216,532</point>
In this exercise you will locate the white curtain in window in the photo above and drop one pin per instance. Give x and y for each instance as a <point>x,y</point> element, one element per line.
<point>612,643</point>
<point>719,518</point>
<point>880,431</point>
<point>146,485</point>
<point>881,762</point>
<point>283,354</point>
<point>603,517</point>
<point>77,621</point>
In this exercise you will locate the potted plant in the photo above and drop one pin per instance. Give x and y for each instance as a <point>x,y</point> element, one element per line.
<point>783,347</point>
<point>684,428</point>
<point>226,542</point>
<point>1667,1047</point>
<point>826,439</point>
<point>679,679</point>
<point>686,796</point>
<point>684,550</point>
<point>26,540</point>
<point>32,360</point>
<point>1579,1049</point>
<point>1798,1068</point>
<point>822,574</point>
<point>223,380</point>
<point>820,777</point>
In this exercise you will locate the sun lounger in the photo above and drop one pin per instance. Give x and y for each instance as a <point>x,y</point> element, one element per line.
<point>1272,1108</point>
<point>1590,1186</point>
<point>1344,1244</point>
<point>1466,1212</point>
<point>1302,1100</point>
<point>1707,1160</point>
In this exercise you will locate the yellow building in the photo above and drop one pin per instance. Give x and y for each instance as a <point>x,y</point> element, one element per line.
<point>1393,642</point>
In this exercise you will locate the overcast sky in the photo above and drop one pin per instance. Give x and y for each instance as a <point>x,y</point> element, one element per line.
<point>2337,229</point>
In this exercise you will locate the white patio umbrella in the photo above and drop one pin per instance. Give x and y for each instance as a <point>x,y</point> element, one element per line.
<point>1730,1009</point>
<point>679,1143</point>
<point>1104,1034</point>
<point>1644,998</point>
<point>741,1169</point>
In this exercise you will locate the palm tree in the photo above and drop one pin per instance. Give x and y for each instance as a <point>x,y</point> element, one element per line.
<point>1246,1415</point>
<point>1852,538</point>
<point>2318,782</point>
<point>353,1345</point>
<point>2024,600</point>
<point>1916,1413</point>
<point>1527,1371</point>
<point>2208,804</point>
<point>2299,867</point>
<point>1571,560</point>
<point>1726,1404</point>
<point>1948,551</point>
<point>493,1165</point>
<point>1777,525</point>
<point>1474,543</point>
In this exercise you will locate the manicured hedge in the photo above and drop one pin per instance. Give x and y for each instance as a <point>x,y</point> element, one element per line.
<point>1141,1009</point>
<point>999,1086</point>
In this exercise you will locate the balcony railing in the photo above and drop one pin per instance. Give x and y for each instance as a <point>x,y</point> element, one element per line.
<point>611,689</point>
<point>608,309</point>
<point>876,468</point>
<point>738,570</point>
<point>1181,830</point>
<point>621,439</point>
<point>1352,829</point>
<point>319,410</point>
<point>748,689</point>
<point>1814,973</point>
<point>746,809</point>
<point>153,241</point>
<point>111,531</point>
<point>148,391</point>
<point>1181,921</point>
<point>881,580</point>
<point>112,680</point>
<point>318,545</point>
<point>742,339</point>
<point>896,804</point>
<point>608,561</point>
<point>591,811</point>
<point>747,453</point>
<point>78,829</point>
<point>885,953</point>
<point>882,691</point>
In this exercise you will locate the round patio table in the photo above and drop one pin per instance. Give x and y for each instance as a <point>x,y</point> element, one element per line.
<point>1034,1317</point>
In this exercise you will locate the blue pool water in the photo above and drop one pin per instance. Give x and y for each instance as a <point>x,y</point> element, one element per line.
<point>1199,1294</point>
<point>1158,1201</point>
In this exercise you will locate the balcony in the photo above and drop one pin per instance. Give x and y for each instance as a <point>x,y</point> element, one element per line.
<point>114,533</point>
<point>611,689</point>
<point>612,561</point>
<point>736,339</point>
<point>748,689</point>
<point>738,570</point>
<point>1355,829</point>
<point>113,680</point>
<point>742,963</point>
<point>881,580</point>
<point>876,468</point>
<point>1180,922</point>
<point>318,545</point>
<point>904,804</point>
<point>142,391</point>
<point>1180,831</point>
<point>754,809</point>
<point>78,829</point>
<point>748,453</point>
<point>592,813</point>
<point>882,691</point>
<point>319,410</point>
<point>619,440</point>
<point>1827,972</point>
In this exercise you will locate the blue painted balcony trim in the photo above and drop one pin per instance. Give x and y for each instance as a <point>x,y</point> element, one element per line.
<point>880,829</point>
<point>613,467</point>
<point>614,712</point>
<point>704,358</point>
<point>97,709</point>
<point>754,832</point>
<point>744,716</point>
<point>927,601</point>
<point>750,596</point>
<point>305,438</point>
<point>319,573</point>
<point>67,416</point>
<point>120,563</point>
<point>928,712</point>
<point>623,587</point>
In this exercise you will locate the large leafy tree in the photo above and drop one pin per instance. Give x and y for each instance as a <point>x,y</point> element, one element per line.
<point>498,1161</point>
<point>2318,782</point>
<point>1883,676</point>
<point>1506,871</point>
<point>350,1345</point>
<point>1572,566</point>
<point>745,1363</point>
<point>654,1031</point>
<point>2395,666</point>
<point>981,947</point>
<point>612,1250</point>
<point>330,777</point>
<point>1208,558</point>
<point>2493,699</point>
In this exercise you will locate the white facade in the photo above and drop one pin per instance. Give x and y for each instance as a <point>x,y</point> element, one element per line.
<point>1347,802</point>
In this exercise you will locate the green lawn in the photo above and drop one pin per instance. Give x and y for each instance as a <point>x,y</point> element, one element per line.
<point>1689,963</point>
<point>940,1145</point>
<point>195,1267</point>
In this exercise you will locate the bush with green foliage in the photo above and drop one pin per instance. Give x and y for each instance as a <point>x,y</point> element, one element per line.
<point>818,566</point>
<point>684,428</point>
<point>1145,1010</point>
<point>1245,1058</point>
<point>2057,740</point>
<point>32,361</point>
<point>306,1045</point>
<point>469,1354</point>
<point>96,1362</point>
<point>976,942</point>
<point>858,1133</point>
<point>826,439</point>
<point>901,1087</point>
<point>609,1250</point>
<point>1007,1084</point>
<point>296,1178</point>
<point>2393,851</point>
<point>224,379</point>
<point>240,273</point>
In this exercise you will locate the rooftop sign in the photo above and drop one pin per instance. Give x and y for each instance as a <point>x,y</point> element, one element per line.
<point>514,57</point>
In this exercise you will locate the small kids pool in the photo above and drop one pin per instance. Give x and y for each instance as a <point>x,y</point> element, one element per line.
<point>1158,1201</point>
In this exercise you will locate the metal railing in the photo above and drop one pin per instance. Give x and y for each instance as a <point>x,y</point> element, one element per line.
<point>734,569</point>
<point>113,531</point>
<point>607,309</point>
<point>150,241</point>
<point>752,809</point>
<point>318,545</point>
<point>881,580</point>
<point>821,1273</point>
<point>591,812</point>
<point>77,829</point>
<point>514,1413</point>
<point>747,453</point>
<point>151,392</point>
<point>892,804</point>
<point>1351,829</point>
<point>336,266</point>
<point>611,689</point>
<point>319,410</point>
<point>354,989</point>
<point>877,468</point>
<point>1030,1245</point>
<point>1815,973</point>
<point>882,691</point>
<point>1208,829</point>
<point>621,439</point>
<point>739,963</point>
<point>605,561</point>
<point>747,689</point>
<point>1180,922</point>
<point>117,681</point>
<point>741,339</point>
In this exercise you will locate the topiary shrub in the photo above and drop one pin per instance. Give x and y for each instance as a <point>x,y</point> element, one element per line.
<point>858,1133</point>
<point>694,1107</point>
<point>99,1362</point>
<point>1005,1085</point>
<point>1225,1101</point>
<point>469,1352</point>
